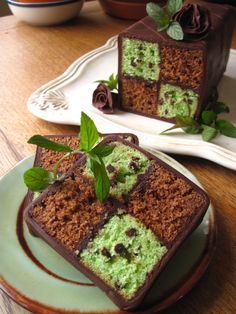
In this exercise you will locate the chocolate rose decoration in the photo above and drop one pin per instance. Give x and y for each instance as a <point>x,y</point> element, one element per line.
<point>104,99</point>
<point>194,20</point>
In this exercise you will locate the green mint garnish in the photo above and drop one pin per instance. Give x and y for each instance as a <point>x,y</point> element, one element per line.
<point>220,107</point>
<point>88,133</point>
<point>102,151</point>
<point>175,31</point>
<point>44,142</point>
<point>164,18</point>
<point>208,133</point>
<point>183,122</point>
<point>209,125</point>
<point>102,182</point>
<point>226,128</point>
<point>37,179</point>
<point>111,83</point>
<point>208,117</point>
<point>174,6</point>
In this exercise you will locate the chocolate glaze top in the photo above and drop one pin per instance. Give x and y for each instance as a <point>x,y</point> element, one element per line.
<point>147,28</point>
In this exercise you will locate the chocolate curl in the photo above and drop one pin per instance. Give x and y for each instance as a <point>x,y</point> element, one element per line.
<point>194,20</point>
<point>104,99</point>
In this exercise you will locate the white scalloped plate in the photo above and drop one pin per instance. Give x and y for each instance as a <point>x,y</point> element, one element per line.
<point>63,99</point>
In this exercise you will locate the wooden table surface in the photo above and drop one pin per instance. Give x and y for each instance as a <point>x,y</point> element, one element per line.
<point>29,58</point>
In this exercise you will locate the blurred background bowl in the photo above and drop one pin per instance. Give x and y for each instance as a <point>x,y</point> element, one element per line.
<point>127,9</point>
<point>45,12</point>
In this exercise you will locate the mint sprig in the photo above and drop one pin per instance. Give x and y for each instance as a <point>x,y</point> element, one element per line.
<point>111,83</point>
<point>209,126</point>
<point>37,179</point>
<point>89,132</point>
<point>163,16</point>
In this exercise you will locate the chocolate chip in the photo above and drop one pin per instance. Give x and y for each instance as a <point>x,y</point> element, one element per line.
<point>131,232</point>
<point>148,84</point>
<point>190,101</point>
<point>120,248</point>
<point>118,285</point>
<point>110,168</point>
<point>135,158</point>
<point>113,183</point>
<point>133,63</point>
<point>140,47</point>
<point>105,252</point>
<point>150,65</point>
<point>65,218</point>
<point>90,200</point>
<point>133,165</point>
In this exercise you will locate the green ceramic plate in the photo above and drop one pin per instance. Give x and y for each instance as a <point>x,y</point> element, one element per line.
<point>39,279</point>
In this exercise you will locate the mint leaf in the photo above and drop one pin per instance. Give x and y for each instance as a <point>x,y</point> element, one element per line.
<point>102,151</point>
<point>154,11</point>
<point>220,107</point>
<point>175,31</point>
<point>226,128</point>
<point>208,117</point>
<point>163,18</point>
<point>174,6</point>
<point>164,22</point>
<point>37,179</point>
<point>111,83</point>
<point>88,133</point>
<point>208,133</point>
<point>102,182</point>
<point>159,15</point>
<point>43,142</point>
<point>192,130</point>
<point>183,122</point>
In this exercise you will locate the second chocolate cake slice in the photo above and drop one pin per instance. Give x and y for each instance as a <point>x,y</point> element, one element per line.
<point>124,243</point>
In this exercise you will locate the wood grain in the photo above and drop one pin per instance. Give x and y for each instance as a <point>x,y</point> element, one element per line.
<point>29,58</point>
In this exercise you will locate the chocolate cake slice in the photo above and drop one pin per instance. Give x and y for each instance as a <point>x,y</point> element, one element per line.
<point>123,244</point>
<point>161,77</point>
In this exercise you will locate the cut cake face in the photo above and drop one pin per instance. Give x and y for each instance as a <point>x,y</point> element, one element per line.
<point>124,243</point>
<point>161,77</point>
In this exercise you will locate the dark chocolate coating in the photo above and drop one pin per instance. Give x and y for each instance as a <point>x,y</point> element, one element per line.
<point>74,260</point>
<point>215,47</point>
